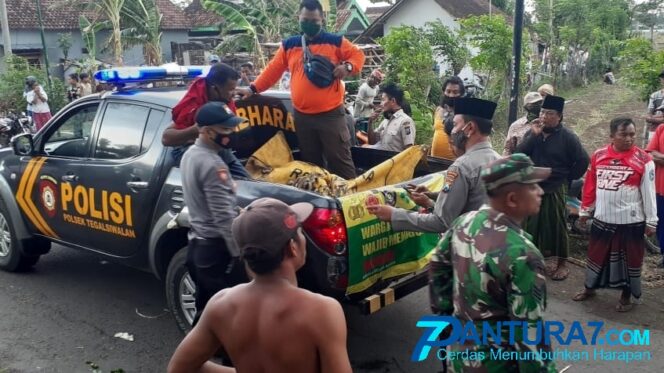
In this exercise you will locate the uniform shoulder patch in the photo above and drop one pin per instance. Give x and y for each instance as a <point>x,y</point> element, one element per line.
<point>223,174</point>
<point>407,129</point>
<point>452,174</point>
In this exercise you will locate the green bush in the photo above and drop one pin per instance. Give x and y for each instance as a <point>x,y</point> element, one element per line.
<point>409,63</point>
<point>12,84</point>
<point>641,66</point>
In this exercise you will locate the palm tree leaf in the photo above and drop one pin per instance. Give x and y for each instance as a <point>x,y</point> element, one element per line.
<point>231,15</point>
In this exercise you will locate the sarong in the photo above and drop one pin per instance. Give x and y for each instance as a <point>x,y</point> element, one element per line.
<point>615,256</point>
<point>40,119</point>
<point>548,228</point>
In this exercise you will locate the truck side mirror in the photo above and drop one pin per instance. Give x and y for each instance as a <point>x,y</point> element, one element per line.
<point>23,144</point>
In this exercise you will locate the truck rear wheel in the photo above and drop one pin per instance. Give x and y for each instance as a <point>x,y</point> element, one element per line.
<point>12,258</point>
<point>180,291</point>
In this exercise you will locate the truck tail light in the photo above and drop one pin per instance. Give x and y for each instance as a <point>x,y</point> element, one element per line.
<point>326,227</point>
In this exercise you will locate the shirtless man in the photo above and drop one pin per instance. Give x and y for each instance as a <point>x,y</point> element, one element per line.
<point>269,324</point>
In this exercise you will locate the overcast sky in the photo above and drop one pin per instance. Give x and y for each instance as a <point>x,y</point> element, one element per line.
<point>365,3</point>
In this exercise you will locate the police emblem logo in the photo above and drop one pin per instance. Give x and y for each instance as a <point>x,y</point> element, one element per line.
<point>48,197</point>
<point>407,129</point>
<point>450,178</point>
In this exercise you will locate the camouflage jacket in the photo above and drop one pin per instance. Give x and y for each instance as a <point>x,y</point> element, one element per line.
<point>486,268</point>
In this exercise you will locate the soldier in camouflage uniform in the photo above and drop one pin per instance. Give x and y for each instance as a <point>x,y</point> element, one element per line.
<point>486,268</point>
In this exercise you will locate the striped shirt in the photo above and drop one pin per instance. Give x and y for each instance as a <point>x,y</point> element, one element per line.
<point>620,187</point>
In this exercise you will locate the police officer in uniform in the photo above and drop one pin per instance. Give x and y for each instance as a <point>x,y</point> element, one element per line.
<point>209,193</point>
<point>463,190</point>
<point>397,131</point>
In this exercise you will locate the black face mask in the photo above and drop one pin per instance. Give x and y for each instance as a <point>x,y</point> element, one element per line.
<point>447,100</point>
<point>232,139</point>
<point>388,114</point>
<point>459,139</point>
<point>550,129</point>
<point>533,113</point>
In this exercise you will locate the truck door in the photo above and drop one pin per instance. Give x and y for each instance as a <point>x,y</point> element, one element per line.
<point>118,181</point>
<point>64,148</point>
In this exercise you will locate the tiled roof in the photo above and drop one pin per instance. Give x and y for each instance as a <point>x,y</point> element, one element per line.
<point>22,15</point>
<point>173,18</point>
<point>342,17</point>
<point>199,17</point>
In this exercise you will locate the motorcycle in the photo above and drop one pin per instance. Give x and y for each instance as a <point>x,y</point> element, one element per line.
<point>574,226</point>
<point>12,125</point>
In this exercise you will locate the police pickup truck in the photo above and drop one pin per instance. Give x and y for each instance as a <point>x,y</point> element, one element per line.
<point>97,178</point>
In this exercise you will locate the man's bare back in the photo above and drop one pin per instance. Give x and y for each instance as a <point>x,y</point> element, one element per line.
<point>269,325</point>
<point>276,327</point>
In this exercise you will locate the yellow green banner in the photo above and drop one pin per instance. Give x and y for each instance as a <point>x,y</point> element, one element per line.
<point>376,252</point>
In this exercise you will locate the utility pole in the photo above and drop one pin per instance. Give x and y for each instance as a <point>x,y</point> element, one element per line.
<point>43,40</point>
<point>6,39</point>
<point>516,61</point>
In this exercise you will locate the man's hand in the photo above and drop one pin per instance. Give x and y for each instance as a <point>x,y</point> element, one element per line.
<point>382,212</point>
<point>341,71</point>
<point>421,199</point>
<point>245,92</point>
<point>650,230</point>
<point>417,188</point>
<point>536,127</point>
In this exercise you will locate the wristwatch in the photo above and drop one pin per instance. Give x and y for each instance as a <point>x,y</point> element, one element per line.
<point>349,66</point>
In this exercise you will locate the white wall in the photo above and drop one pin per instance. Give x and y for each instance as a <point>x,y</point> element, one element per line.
<point>417,13</point>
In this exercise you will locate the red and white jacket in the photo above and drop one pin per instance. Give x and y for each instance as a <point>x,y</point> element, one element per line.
<point>620,187</point>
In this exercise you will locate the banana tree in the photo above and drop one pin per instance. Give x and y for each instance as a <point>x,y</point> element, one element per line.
<point>110,10</point>
<point>255,21</point>
<point>142,21</point>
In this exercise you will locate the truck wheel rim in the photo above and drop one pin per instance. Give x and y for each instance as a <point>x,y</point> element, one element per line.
<point>187,298</point>
<point>5,237</point>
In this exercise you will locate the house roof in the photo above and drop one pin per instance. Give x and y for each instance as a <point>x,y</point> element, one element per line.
<point>342,17</point>
<point>22,15</point>
<point>457,8</point>
<point>347,11</point>
<point>199,17</point>
<point>173,18</point>
<point>373,12</point>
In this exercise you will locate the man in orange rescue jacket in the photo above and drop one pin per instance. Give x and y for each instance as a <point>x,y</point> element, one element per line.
<point>319,115</point>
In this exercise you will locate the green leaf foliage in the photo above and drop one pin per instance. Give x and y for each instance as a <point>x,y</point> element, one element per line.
<point>410,63</point>
<point>12,84</point>
<point>641,66</point>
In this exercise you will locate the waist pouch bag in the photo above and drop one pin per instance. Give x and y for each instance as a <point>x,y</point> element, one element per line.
<point>319,69</point>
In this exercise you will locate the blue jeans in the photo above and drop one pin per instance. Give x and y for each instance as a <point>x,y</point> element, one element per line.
<point>660,222</point>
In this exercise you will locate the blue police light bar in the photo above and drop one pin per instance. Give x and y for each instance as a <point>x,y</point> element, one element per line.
<point>122,75</point>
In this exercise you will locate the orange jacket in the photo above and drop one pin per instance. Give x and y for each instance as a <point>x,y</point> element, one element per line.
<point>307,98</point>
